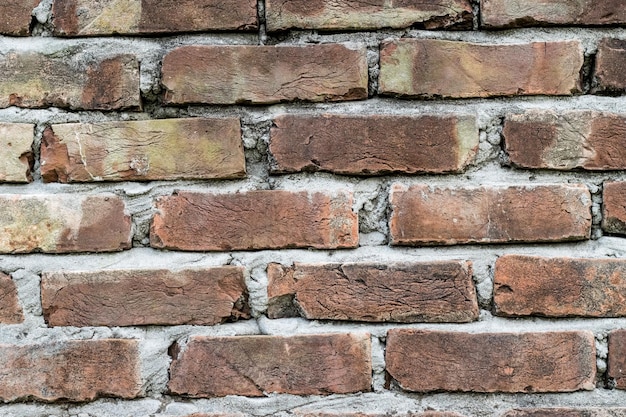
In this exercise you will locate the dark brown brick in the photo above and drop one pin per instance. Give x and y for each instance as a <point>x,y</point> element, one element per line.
<point>10,309</point>
<point>425,361</point>
<point>16,140</point>
<point>16,16</point>
<point>617,358</point>
<point>255,365</point>
<point>610,63</point>
<point>614,208</point>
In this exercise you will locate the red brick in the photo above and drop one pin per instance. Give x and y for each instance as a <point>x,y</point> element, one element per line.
<point>560,287</point>
<point>566,412</point>
<point>108,17</point>
<point>272,219</point>
<point>431,68</point>
<point>139,297</point>
<point>79,370</point>
<point>10,309</point>
<point>377,14</point>
<point>255,365</point>
<point>517,13</point>
<point>16,16</point>
<point>614,208</point>
<point>16,140</point>
<point>425,361</point>
<point>143,150</point>
<point>564,141</point>
<point>373,144</point>
<point>264,74</point>
<point>63,223</point>
<point>396,292</point>
<point>610,63</point>
<point>426,215</point>
<point>32,79</point>
<point>617,358</point>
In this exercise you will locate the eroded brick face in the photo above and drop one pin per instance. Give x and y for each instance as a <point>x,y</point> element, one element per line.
<point>610,62</point>
<point>16,140</point>
<point>10,309</point>
<point>16,16</point>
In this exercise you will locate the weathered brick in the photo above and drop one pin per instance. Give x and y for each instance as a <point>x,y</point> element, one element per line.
<point>78,370</point>
<point>374,144</point>
<point>15,16</point>
<point>16,140</point>
<point>424,215</point>
<point>396,292</point>
<point>559,287</point>
<point>569,140</point>
<point>271,219</point>
<point>255,365</point>
<point>424,414</point>
<point>610,62</point>
<point>139,297</point>
<point>264,74</point>
<point>617,358</point>
<point>425,361</point>
<point>351,14</point>
<point>69,80</point>
<point>63,223</point>
<point>614,207</point>
<point>108,17</point>
<point>517,13</point>
<point>167,149</point>
<point>430,68</point>
<point>10,309</point>
<point>566,412</point>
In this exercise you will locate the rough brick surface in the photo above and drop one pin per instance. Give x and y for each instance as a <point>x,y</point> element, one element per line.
<point>396,292</point>
<point>254,220</point>
<point>167,149</point>
<point>10,309</point>
<point>560,287</point>
<point>15,16</point>
<point>373,144</point>
<point>568,140</point>
<point>16,156</point>
<point>79,370</point>
<point>436,215</point>
<point>430,68</point>
<point>63,223</point>
<point>425,361</point>
<point>516,13</point>
<point>424,414</point>
<point>140,297</point>
<point>107,17</point>
<point>254,365</point>
<point>31,79</point>
<point>617,358</point>
<point>610,63</point>
<point>351,14</point>
<point>566,412</point>
<point>264,74</point>
<point>614,207</point>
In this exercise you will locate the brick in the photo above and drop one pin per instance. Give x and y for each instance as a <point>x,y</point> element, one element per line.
<point>566,412</point>
<point>141,297</point>
<point>375,144</point>
<point>518,13</point>
<point>76,370</point>
<point>63,223</point>
<point>617,358</point>
<point>10,309</point>
<point>16,140</point>
<point>396,292</point>
<point>559,287</point>
<point>357,15</point>
<point>131,17</point>
<point>264,74</point>
<point>563,141</point>
<point>610,63</point>
<point>425,361</point>
<point>255,365</point>
<point>143,150</point>
<point>69,79</point>
<point>427,215</point>
<point>431,68</point>
<point>16,16</point>
<point>271,219</point>
<point>424,414</point>
<point>614,208</point>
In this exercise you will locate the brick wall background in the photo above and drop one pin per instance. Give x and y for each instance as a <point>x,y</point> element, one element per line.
<point>312,208</point>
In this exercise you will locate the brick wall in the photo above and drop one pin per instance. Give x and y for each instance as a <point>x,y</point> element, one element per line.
<point>312,208</point>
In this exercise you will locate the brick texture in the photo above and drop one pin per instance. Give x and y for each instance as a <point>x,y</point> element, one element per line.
<point>254,220</point>
<point>610,63</point>
<point>614,207</point>
<point>255,365</point>
<point>143,150</point>
<point>425,215</point>
<point>396,292</point>
<point>617,358</point>
<point>16,16</point>
<point>559,287</point>
<point>424,414</point>
<point>425,361</point>
<point>16,140</point>
<point>79,370</point>
<point>431,68</point>
<point>63,223</point>
<point>566,412</point>
<point>264,74</point>
<point>140,297</point>
<point>10,309</point>
<point>375,144</point>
